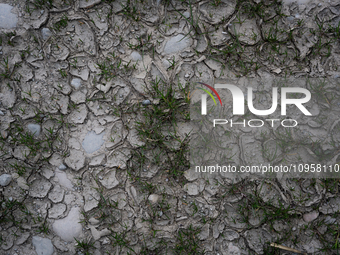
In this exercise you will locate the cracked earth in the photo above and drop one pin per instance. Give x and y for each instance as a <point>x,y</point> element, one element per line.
<point>95,127</point>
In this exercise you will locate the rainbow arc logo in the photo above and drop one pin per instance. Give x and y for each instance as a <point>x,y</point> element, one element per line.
<point>208,92</point>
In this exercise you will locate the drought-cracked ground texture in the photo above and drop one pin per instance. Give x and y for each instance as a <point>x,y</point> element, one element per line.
<point>94,127</point>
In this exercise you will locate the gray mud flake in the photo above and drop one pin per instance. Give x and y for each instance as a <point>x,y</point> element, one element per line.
<point>76,160</point>
<point>176,44</point>
<point>135,56</point>
<point>7,18</point>
<point>69,227</point>
<point>88,3</point>
<point>91,197</point>
<point>43,246</point>
<point>23,238</point>
<point>56,211</point>
<point>191,189</point>
<point>98,160</point>
<point>78,115</point>
<point>39,188</point>
<point>247,32</point>
<point>118,158</point>
<point>92,142</point>
<point>110,181</point>
<point>57,194</point>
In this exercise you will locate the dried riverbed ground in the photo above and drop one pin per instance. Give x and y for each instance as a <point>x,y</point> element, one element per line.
<point>93,121</point>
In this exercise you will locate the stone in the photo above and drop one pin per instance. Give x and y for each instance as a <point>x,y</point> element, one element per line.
<point>5,179</point>
<point>43,246</point>
<point>34,129</point>
<point>62,167</point>
<point>56,211</point>
<point>146,102</point>
<point>76,83</point>
<point>309,217</point>
<point>69,227</point>
<point>46,33</point>
<point>76,160</point>
<point>92,142</point>
<point>7,18</point>
<point>177,43</point>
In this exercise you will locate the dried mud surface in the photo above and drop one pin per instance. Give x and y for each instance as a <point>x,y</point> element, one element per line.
<point>94,125</point>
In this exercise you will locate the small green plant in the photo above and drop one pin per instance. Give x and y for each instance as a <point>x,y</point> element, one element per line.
<point>84,246</point>
<point>63,73</point>
<point>61,23</point>
<point>131,11</point>
<point>187,242</point>
<point>108,69</point>
<point>41,4</point>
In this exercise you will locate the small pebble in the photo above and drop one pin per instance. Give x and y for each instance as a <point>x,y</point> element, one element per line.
<point>146,102</point>
<point>62,167</point>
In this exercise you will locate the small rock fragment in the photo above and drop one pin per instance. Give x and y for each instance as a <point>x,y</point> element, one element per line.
<point>34,129</point>
<point>153,198</point>
<point>5,179</point>
<point>92,142</point>
<point>146,102</point>
<point>43,246</point>
<point>277,70</point>
<point>308,217</point>
<point>46,33</point>
<point>62,167</point>
<point>76,83</point>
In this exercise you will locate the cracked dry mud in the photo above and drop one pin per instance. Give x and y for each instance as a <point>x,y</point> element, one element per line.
<point>91,161</point>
